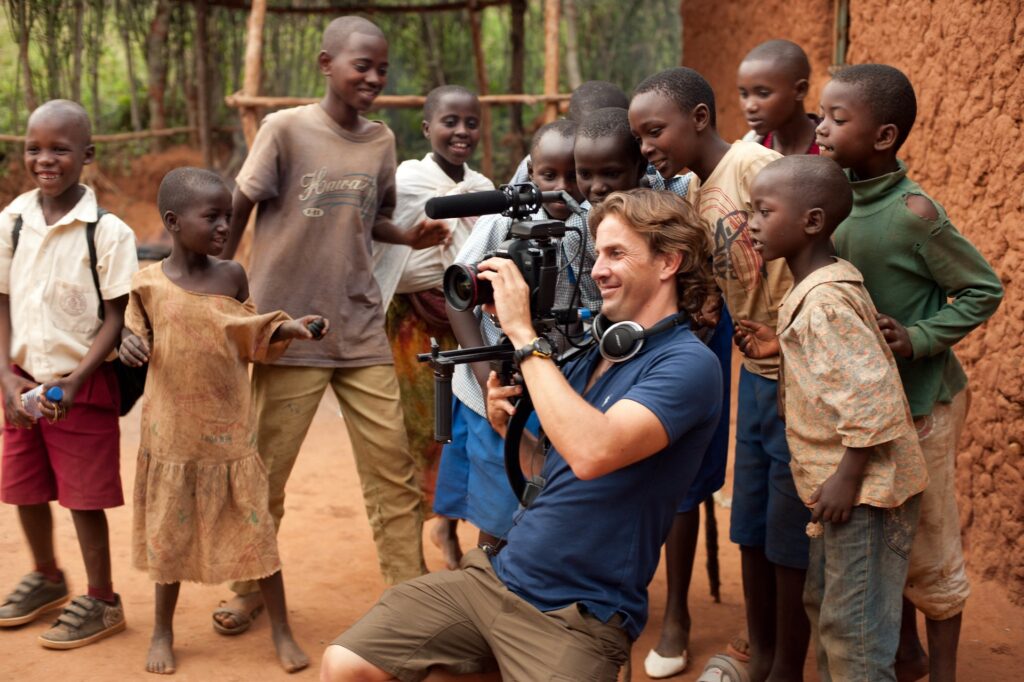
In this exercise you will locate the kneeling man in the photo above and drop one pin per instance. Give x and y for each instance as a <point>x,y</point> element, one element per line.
<point>567,593</point>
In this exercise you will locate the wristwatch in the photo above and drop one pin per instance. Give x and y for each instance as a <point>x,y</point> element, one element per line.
<point>539,347</point>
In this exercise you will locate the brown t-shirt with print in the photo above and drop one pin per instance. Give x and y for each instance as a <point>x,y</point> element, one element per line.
<point>320,190</point>
<point>752,289</point>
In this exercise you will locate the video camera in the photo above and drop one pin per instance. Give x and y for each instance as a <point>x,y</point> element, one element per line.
<point>532,245</point>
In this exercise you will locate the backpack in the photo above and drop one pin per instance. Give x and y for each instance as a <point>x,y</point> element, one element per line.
<point>130,380</point>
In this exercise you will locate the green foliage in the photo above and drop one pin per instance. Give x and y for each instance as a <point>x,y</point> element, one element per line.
<point>621,41</point>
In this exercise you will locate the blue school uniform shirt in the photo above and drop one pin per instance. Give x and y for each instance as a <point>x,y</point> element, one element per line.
<point>598,542</point>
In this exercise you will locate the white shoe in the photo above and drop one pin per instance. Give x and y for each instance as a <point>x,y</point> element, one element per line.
<point>657,666</point>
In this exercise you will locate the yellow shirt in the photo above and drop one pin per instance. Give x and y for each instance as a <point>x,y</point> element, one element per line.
<point>842,389</point>
<point>53,301</point>
<point>752,291</point>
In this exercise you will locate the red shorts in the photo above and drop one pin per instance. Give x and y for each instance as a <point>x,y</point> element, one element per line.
<point>75,461</point>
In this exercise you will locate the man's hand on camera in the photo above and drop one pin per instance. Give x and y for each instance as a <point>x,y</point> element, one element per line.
<point>511,299</point>
<point>499,403</point>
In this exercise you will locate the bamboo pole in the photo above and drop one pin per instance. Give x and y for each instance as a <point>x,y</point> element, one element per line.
<point>487,163</point>
<point>253,63</point>
<point>362,8</point>
<point>242,100</point>
<point>551,13</point>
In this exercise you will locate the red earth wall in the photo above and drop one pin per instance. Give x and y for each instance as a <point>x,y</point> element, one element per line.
<point>966,61</point>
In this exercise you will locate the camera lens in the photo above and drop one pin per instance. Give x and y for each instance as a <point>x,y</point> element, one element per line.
<point>463,289</point>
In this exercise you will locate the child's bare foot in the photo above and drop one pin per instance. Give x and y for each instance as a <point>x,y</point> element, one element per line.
<point>236,615</point>
<point>293,658</point>
<point>444,537</point>
<point>911,668</point>
<point>160,658</point>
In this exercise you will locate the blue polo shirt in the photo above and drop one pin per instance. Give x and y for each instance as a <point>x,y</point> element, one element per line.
<point>598,542</point>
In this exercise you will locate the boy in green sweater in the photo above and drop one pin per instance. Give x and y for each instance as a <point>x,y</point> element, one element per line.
<point>931,288</point>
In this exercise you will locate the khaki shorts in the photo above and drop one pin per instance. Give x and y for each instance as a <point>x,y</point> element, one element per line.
<point>467,621</point>
<point>936,580</point>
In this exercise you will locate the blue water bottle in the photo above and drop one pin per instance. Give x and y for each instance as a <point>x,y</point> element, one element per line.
<point>30,399</point>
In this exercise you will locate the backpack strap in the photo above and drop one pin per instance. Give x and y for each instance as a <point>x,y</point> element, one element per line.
<point>16,233</point>
<point>90,238</point>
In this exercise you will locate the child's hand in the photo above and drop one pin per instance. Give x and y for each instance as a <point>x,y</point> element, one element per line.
<point>428,233</point>
<point>756,340</point>
<point>13,386</point>
<point>308,327</point>
<point>711,312</point>
<point>896,336</point>
<point>833,502</point>
<point>499,404</point>
<point>55,411</point>
<point>134,351</point>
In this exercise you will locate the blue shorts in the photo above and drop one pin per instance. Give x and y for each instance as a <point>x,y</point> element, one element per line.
<point>711,475</point>
<point>766,510</point>
<point>471,480</point>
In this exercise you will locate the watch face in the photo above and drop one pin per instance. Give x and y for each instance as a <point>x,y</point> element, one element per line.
<point>544,346</point>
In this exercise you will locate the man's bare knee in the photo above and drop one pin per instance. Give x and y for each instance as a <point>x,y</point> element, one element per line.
<point>341,665</point>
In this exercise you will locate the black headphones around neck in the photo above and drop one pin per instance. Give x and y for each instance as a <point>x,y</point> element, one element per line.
<point>620,341</point>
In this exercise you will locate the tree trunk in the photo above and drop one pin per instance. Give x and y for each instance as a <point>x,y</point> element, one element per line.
<point>433,51</point>
<point>202,82</point>
<point>517,73</point>
<point>52,48</point>
<point>120,10</point>
<point>156,63</point>
<point>95,49</point>
<point>76,54</point>
<point>24,21</point>
<point>572,55</point>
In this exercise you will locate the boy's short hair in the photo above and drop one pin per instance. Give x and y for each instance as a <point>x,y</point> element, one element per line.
<point>593,95</point>
<point>815,182</point>
<point>669,225</point>
<point>179,186</point>
<point>888,94</point>
<point>71,113</point>
<point>785,54</point>
<point>435,96</point>
<point>338,31</point>
<point>684,86</point>
<point>610,122</point>
<point>565,127</point>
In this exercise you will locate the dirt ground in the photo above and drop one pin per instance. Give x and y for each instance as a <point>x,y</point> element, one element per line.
<point>332,578</point>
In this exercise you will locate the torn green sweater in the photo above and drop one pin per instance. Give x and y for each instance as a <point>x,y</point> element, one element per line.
<point>924,274</point>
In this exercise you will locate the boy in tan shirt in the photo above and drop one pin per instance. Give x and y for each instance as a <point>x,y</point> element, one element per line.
<point>323,177</point>
<point>855,455</point>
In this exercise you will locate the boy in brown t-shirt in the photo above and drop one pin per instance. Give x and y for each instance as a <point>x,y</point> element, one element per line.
<point>323,177</point>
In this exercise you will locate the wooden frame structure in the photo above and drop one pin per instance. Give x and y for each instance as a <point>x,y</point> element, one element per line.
<point>250,102</point>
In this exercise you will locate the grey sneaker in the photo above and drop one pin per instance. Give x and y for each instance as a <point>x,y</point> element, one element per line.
<point>84,621</point>
<point>33,595</point>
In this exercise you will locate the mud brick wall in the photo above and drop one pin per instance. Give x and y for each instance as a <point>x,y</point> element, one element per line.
<point>966,61</point>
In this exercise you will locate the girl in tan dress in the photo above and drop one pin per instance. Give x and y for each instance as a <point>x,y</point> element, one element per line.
<point>200,497</point>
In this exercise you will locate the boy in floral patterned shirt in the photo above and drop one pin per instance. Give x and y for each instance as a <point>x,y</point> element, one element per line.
<point>855,455</point>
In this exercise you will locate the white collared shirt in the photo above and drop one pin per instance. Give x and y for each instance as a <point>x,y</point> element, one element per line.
<point>53,301</point>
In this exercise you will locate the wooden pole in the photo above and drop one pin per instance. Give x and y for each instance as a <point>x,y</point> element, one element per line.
<point>487,163</point>
<point>203,84</point>
<point>241,100</point>
<point>253,63</point>
<point>516,75</point>
<point>552,8</point>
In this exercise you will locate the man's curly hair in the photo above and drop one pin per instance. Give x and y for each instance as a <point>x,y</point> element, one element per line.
<point>669,225</point>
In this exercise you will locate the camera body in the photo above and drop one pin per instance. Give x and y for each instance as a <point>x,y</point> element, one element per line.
<point>532,248</point>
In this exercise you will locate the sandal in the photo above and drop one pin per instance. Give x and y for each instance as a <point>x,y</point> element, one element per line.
<point>84,621</point>
<point>243,618</point>
<point>723,668</point>
<point>33,595</point>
